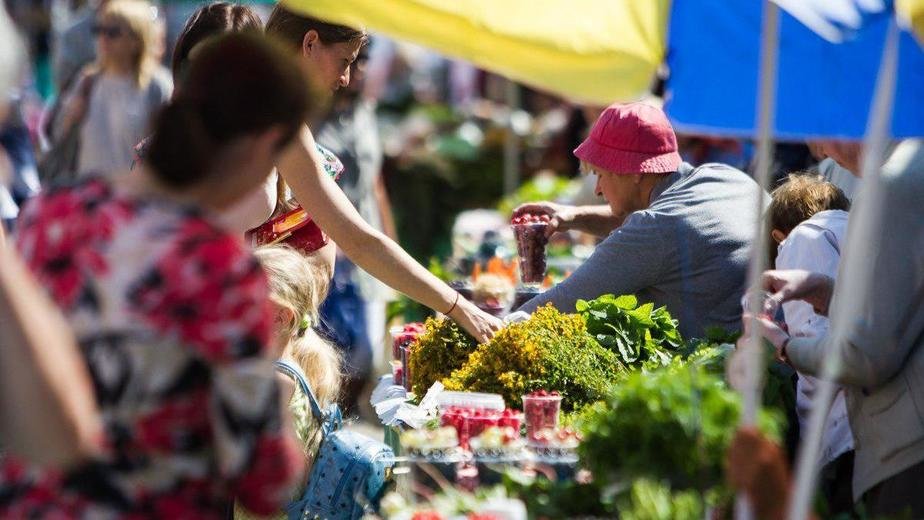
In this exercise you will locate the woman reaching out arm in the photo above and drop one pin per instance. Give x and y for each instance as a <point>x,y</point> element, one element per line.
<point>326,52</point>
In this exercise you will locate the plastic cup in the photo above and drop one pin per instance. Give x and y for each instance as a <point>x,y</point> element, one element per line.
<point>767,305</point>
<point>405,362</point>
<point>397,373</point>
<point>401,337</point>
<point>541,413</point>
<point>531,242</point>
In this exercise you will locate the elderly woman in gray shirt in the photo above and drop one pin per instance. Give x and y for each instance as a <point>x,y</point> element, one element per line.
<point>675,235</point>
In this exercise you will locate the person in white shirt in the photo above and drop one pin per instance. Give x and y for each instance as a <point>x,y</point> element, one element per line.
<point>808,219</point>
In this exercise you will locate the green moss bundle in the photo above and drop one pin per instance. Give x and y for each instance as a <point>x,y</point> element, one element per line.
<point>441,349</point>
<point>550,351</point>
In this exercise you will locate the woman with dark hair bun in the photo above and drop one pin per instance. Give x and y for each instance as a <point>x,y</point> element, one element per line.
<point>172,311</point>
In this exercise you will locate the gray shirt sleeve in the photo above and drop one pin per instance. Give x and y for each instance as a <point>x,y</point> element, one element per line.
<point>630,259</point>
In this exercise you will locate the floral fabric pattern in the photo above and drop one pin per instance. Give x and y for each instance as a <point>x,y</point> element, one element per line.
<point>174,322</point>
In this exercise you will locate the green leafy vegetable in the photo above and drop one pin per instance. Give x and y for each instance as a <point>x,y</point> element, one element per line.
<point>673,424</point>
<point>650,500</point>
<point>641,335</point>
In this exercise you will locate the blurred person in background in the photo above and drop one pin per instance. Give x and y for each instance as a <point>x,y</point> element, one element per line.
<point>355,308</point>
<point>172,311</point>
<point>882,359</point>
<point>326,52</point>
<point>114,99</point>
<point>206,22</point>
<point>47,412</point>
<point>75,45</point>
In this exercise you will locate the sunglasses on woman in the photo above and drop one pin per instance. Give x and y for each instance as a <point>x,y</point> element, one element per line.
<point>109,31</point>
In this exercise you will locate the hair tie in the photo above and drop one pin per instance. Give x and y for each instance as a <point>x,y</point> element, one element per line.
<point>304,324</point>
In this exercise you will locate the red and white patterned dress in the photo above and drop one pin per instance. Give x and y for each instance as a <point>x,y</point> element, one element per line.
<point>174,323</point>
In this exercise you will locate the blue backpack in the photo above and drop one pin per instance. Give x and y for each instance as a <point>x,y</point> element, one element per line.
<point>349,474</point>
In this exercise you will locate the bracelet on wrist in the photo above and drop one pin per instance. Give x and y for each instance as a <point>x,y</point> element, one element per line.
<point>454,303</point>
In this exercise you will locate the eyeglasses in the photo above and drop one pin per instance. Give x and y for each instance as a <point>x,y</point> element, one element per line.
<point>109,31</point>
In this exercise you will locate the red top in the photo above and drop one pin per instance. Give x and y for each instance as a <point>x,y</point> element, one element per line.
<point>173,319</point>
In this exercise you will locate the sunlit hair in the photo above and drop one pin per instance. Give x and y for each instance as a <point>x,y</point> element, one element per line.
<point>299,285</point>
<point>211,20</point>
<point>802,196</point>
<point>291,28</point>
<point>139,18</point>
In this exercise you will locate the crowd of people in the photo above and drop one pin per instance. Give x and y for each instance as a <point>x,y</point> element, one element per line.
<point>146,288</point>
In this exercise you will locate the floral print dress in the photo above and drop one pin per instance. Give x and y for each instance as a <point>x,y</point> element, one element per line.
<point>174,322</point>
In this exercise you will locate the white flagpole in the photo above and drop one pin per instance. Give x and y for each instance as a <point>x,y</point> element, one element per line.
<point>766,110</point>
<point>855,278</point>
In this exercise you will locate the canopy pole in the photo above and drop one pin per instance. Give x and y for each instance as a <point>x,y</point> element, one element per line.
<point>766,110</point>
<point>856,275</point>
<point>512,141</point>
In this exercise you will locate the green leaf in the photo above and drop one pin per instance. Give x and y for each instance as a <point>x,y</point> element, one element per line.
<point>627,301</point>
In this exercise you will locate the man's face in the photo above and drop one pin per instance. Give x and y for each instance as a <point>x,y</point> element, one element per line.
<point>845,153</point>
<point>623,192</point>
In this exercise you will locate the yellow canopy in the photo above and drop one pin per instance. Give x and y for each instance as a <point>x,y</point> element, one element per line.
<point>595,51</point>
<point>911,13</point>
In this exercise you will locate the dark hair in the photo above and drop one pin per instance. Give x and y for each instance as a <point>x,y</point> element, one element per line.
<point>291,28</point>
<point>238,84</point>
<point>211,20</point>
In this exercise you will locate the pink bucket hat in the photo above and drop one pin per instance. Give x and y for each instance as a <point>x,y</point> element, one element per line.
<point>630,139</point>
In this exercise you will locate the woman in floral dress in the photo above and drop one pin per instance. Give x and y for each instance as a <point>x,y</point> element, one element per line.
<point>171,311</point>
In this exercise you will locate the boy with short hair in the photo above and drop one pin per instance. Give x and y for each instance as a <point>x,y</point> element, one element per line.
<point>808,219</point>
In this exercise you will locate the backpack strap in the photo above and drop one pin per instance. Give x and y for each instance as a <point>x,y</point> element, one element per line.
<point>330,421</point>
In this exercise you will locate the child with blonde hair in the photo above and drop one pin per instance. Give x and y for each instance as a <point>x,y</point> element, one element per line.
<point>298,284</point>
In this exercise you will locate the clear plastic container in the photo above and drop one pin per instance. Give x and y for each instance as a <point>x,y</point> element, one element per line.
<point>531,242</point>
<point>541,412</point>
<point>403,336</point>
<point>397,373</point>
<point>471,400</point>
<point>767,305</point>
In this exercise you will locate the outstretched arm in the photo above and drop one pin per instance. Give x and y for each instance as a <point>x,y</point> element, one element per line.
<point>367,247</point>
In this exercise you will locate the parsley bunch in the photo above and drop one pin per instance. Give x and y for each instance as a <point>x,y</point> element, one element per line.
<point>673,424</point>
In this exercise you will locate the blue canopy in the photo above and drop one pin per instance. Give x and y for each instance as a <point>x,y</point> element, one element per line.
<point>823,90</point>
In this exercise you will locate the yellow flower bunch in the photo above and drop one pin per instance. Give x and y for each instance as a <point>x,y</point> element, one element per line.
<point>550,351</point>
<point>442,348</point>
